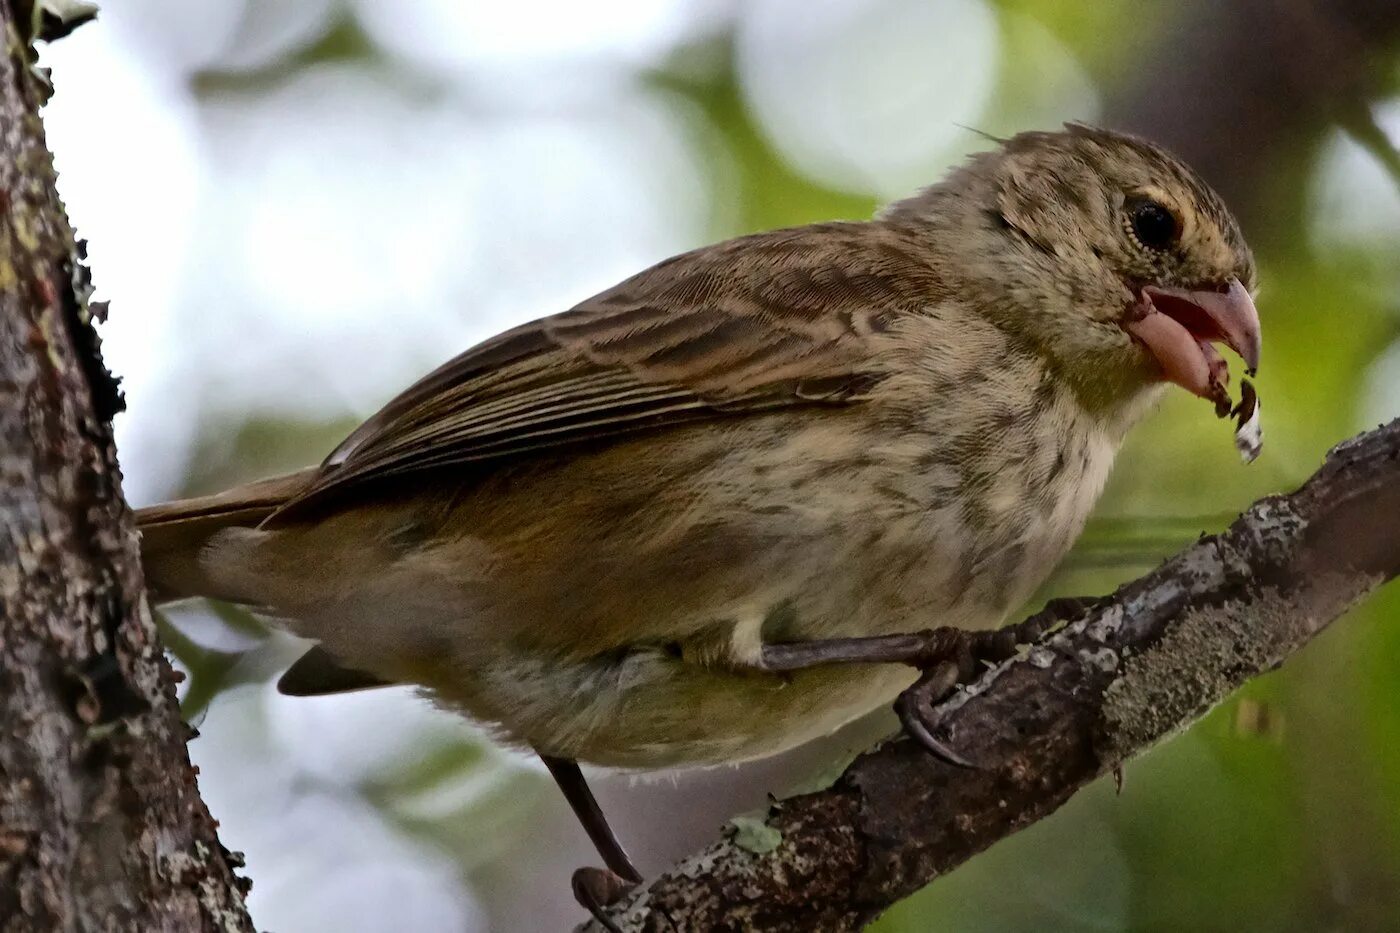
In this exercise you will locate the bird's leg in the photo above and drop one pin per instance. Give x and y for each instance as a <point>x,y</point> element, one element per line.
<point>594,888</point>
<point>925,649</point>
<point>946,656</point>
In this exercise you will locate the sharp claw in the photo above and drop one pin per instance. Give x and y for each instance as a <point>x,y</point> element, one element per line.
<point>968,651</point>
<point>915,726</point>
<point>596,889</point>
<point>915,710</point>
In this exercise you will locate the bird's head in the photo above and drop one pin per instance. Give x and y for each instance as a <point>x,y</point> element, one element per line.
<point>1108,253</point>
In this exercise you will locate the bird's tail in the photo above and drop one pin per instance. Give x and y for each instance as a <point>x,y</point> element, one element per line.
<point>175,535</point>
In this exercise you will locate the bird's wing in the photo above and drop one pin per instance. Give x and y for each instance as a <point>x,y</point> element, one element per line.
<point>761,322</point>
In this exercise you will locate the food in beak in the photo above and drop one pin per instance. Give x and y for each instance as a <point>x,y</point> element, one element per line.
<point>1180,326</point>
<point>1249,432</point>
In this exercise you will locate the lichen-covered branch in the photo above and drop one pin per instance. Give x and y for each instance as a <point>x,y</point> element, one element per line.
<point>101,825</point>
<point>1137,667</point>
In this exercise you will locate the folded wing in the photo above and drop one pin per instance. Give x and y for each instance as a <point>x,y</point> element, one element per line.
<point>778,319</point>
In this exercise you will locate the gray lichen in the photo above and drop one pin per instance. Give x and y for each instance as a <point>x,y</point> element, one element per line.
<point>753,834</point>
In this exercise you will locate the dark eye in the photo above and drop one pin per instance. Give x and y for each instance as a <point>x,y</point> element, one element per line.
<point>1153,224</point>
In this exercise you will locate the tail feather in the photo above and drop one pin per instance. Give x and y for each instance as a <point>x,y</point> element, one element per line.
<point>175,534</point>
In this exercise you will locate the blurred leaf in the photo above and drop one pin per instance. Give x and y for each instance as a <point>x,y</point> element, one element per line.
<point>1378,712</point>
<point>209,671</point>
<point>461,794</point>
<point>230,453</point>
<point>1084,26</point>
<point>770,192</point>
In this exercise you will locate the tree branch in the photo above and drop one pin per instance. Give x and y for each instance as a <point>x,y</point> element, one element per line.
<point>101,825</point>
<point>1138,667</point>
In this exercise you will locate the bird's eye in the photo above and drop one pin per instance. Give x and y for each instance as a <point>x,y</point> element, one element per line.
<point>1152,224</point>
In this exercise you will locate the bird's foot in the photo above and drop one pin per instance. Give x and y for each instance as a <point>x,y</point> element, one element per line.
<point>917,709</point>
<point>951,657</point>
<point>597,889</point>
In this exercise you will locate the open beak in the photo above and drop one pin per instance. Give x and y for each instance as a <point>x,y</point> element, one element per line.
<point>1179,326</point>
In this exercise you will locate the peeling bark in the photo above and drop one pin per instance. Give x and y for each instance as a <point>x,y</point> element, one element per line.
<point>1136,668</point>
<point>101,825</point>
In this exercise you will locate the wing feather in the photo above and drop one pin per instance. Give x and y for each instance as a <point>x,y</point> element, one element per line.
<point>749,325</point>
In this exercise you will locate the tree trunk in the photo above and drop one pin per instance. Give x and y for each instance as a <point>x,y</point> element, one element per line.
<point>101,825</point>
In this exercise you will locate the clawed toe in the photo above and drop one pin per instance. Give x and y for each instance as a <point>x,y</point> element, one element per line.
<point>597,889</point>
<point>949,657</point>
<point>916,708</point>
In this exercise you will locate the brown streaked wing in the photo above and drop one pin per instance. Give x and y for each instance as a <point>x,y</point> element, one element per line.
<point>765,321</point>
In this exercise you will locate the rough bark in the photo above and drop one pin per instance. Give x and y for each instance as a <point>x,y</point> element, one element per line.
<point>101,825</point>
<point>1138,667</point>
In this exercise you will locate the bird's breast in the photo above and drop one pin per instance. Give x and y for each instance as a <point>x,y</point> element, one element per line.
<point>977,500</point>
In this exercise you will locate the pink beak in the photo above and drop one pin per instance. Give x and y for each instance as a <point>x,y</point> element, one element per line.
<point>1179,325</point>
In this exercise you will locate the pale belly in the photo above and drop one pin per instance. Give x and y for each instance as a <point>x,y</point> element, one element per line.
<point>648,710</point>
<point>657,703</point>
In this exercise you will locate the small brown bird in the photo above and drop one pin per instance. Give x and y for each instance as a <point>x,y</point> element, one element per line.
<point>679,523</point>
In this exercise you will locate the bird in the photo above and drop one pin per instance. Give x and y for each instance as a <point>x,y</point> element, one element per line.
<point>752,492</point>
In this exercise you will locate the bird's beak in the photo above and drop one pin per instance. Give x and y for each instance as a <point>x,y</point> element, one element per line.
<point>1179,326</point>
